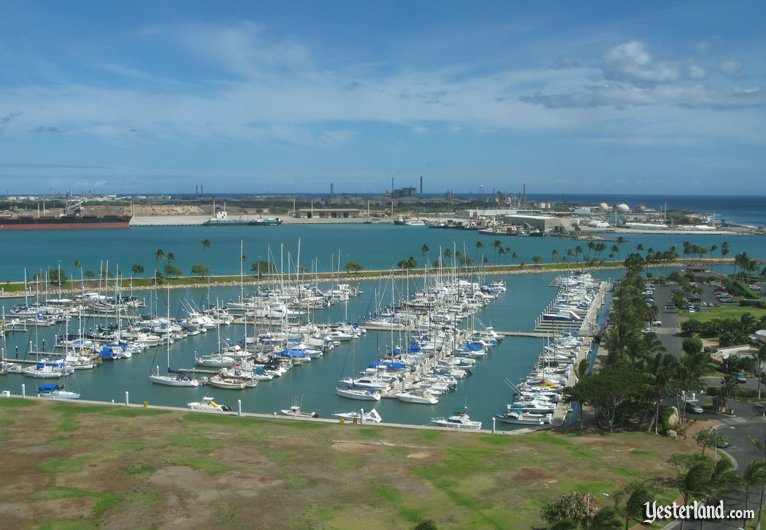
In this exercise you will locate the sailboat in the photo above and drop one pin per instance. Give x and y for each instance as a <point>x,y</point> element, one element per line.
<point>355,391</point>
<point>52,390</point>
<point>171,380</point>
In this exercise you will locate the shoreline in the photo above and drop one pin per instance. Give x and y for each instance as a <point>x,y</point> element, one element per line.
<point>143,221</point>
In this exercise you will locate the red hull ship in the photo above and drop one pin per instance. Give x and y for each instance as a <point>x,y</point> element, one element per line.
<point>72,218</point>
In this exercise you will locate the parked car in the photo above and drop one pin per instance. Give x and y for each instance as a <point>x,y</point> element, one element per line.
<point>741,377</point>
<point>721,441</point>
<point>694,408</point>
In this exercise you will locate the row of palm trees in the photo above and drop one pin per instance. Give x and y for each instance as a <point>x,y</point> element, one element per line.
<point>594,251</point>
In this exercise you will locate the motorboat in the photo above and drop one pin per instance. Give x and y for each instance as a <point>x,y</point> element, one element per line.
<point>458,420</point>
<point>370,383</point>
<point>208,404</point>
<point>525,418</point>
<point>296,412</point>
<point>365,417</point>
<point>363,394</point>
<point>215,360</point>
<point>424,398</point>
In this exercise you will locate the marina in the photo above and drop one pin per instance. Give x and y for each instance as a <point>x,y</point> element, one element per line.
<point>215,321</point>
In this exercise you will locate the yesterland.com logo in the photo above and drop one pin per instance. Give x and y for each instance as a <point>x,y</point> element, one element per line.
<point>696,511</point>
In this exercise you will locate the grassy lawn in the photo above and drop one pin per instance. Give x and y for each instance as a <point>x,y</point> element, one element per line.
<point>723,312</point>
<point>70,465</point>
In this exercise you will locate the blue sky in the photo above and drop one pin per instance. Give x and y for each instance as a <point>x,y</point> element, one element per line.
<point>252,97</point>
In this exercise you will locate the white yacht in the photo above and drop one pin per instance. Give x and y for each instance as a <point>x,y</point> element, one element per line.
<point>363,394</point>
<point>207,405</point>
<point>458,420</point>
<point>423,399</point>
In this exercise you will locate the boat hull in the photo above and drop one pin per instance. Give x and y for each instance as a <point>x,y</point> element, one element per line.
<point>65,223</point>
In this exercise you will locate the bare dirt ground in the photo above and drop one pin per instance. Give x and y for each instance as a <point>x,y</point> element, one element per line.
<point>76,465</point>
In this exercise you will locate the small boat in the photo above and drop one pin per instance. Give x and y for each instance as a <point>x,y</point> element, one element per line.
<point>423,399</point>
<point>215,360</point>
<point>370,383</point>
<point>525,418</point>
<point>296,412</point>
<point>52,390</point>
<point>173,380</point>
<point>46,369</point>
<point>208,405</point>
<point>362,394</point>
<point>458,420</point>
<point>229,383</point>
<point>365,417</point>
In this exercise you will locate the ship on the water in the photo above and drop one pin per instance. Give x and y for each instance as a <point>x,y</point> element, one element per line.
<point>222,219</point>
<point>73,217</point>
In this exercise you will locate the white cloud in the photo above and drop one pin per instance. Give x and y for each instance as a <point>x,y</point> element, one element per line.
<point>632,62</point>
<point>731,67</point>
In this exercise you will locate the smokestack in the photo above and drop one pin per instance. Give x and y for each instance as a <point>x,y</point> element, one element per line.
<point>331,188</point>
<point>421,186</point>
<point>392,186</point>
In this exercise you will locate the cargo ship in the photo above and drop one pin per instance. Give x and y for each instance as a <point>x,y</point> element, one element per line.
<point>73,217</point>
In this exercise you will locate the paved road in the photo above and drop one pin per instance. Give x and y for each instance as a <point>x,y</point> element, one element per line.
<point>747,421</point>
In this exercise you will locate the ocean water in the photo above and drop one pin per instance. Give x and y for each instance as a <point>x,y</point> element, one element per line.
<point>319,247</point>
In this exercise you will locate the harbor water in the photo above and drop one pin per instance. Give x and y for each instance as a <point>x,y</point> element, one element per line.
<point>321,247</point>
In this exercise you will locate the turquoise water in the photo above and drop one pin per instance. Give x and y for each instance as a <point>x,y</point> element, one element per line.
<point>313,384</point>
<point>375,246</point>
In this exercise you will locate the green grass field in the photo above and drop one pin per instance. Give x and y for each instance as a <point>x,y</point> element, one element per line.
<point>72,465</point>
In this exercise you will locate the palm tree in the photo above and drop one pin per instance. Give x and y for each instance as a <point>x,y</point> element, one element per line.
<point>498,245</point>
<point>579,251</point>
<point>159,255</point>
<point>171,257</point>
<point>724,251</point>
<point>425,249</point>
<point>205,244</point>
<point>448,254</point>
<point>479,246</point>
<point>754,476</point>
<point>636,494</point>
<point>555,255</point>
<point>661,379</point>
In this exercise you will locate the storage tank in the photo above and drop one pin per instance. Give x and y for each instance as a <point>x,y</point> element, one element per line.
<point>623,208</point>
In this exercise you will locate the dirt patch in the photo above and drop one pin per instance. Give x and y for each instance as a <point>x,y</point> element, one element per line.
<point>526,476</point>
<point>355,448</point>
<point>420,455</point>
